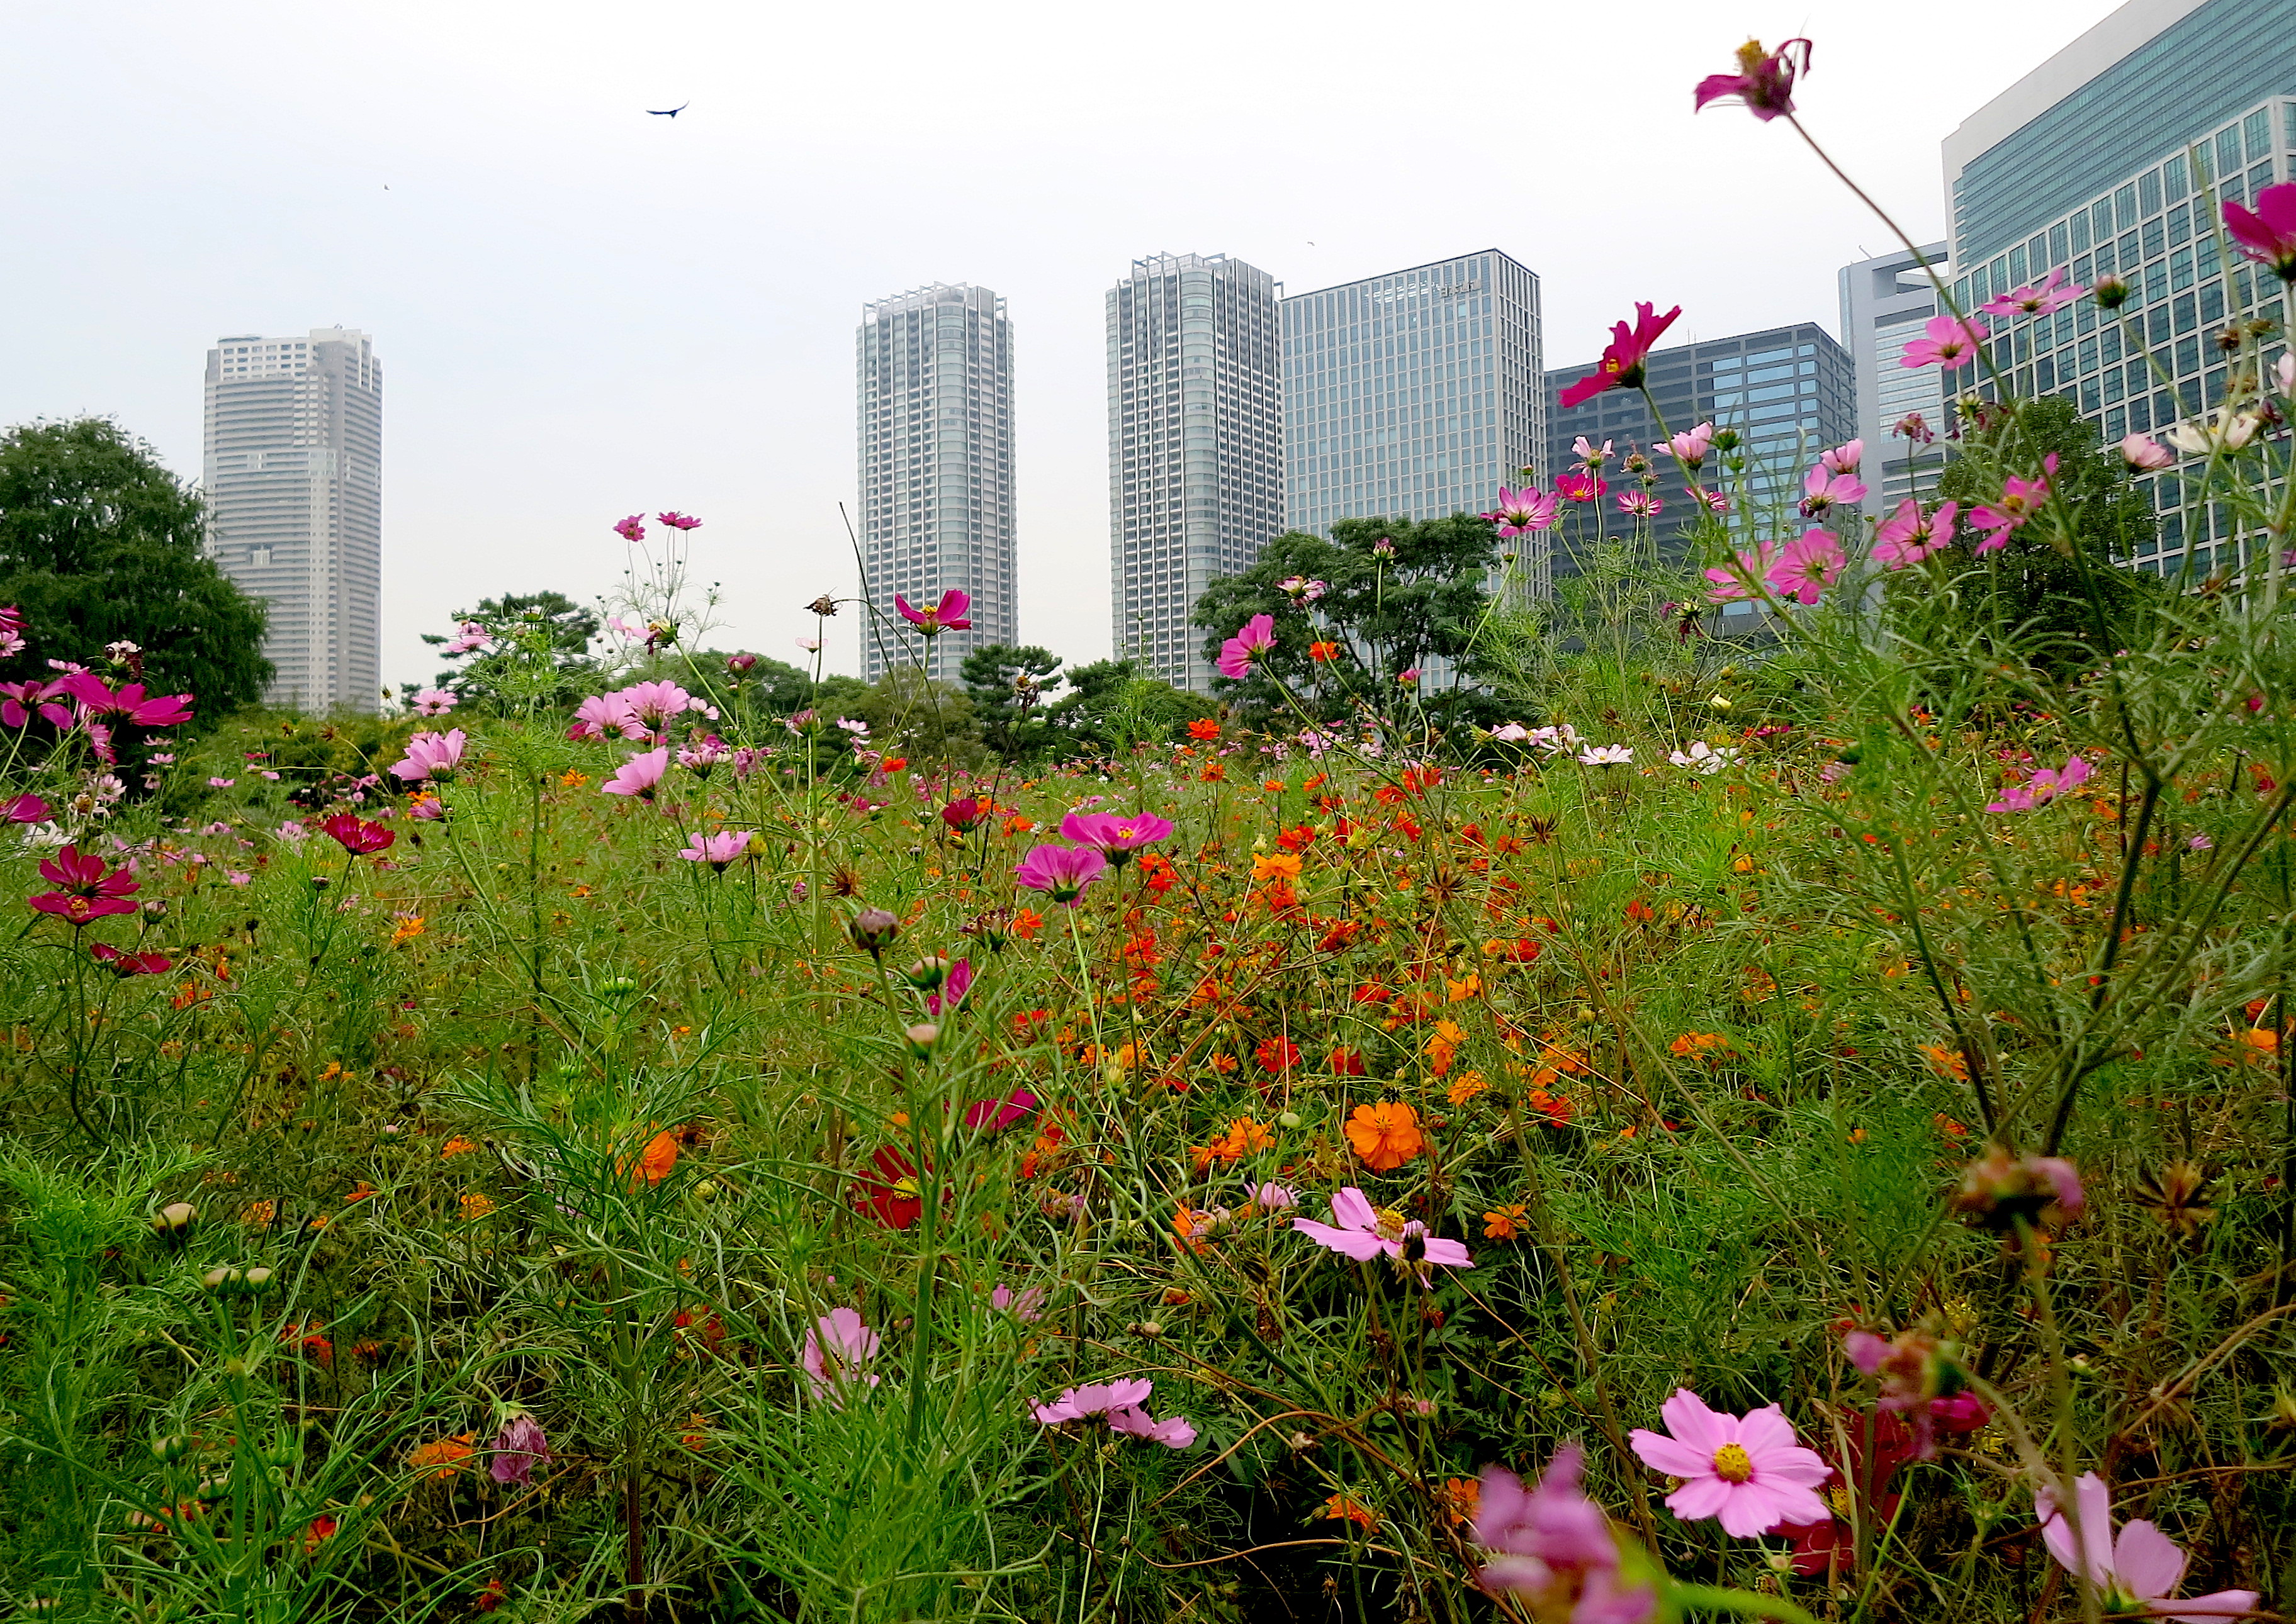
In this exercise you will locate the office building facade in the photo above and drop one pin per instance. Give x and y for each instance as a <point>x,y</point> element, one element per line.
<point>1886,302</point>
<point>2112,158</point>
<point>1787,391</point>
<point>293,467</point>
<point>1414,394</point>
<point>1194,446</point>
<point>934,380</point>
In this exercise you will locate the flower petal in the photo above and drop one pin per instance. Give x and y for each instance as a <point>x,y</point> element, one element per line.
<point>1670,1455</point>
<point>1688,1418</point>
<point>2146,1562</point>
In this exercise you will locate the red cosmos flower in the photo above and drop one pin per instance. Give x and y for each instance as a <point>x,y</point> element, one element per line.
<point>125,965</point>
<point>84,890</point>
<point>1277,1054</point>
<point>891,1196</point>
<point>1347,1063</point>
<point>1622,366</point>
<point>2268,233</point>
<point>1879,1444</point>
<point>1764,81</point>
<point>322,1529</point>
<point>964,813</point>
<point>358,836</point>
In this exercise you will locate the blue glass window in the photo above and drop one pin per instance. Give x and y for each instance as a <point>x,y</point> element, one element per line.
<point>2148,193</point>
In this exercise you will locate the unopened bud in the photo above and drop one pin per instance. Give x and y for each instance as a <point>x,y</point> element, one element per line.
<point>874,929</point>
<point>172,1219</point>
<point>1290,1120</point>
<point>620,988</point>
<point>2111,292</point>
<point>921,1037</point>
<point>173,1446</point>
<point>926,974</point>
<point>222,1277</point>
<point>257,1279</point>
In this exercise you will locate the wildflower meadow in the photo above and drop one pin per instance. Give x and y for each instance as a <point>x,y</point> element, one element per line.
<point>1620,1109</point>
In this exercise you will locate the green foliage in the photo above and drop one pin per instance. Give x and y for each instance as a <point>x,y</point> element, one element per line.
<point>1114,705</point>
<point>100,543</point>
<point>913,716</point>
<point>540,654</point>
<point>1386,612</point>
<point>1008,686</point>
<point>2060,592</point>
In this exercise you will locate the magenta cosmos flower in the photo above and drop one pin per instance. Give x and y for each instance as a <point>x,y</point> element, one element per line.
<point>1822,489</point>
<point>1908,536</point>
<point>433,701</point>
<point>2136,1572</point>
<point>1641,504</point>
<point>129,703</point>
<point>679,521</point>
<point>1951,344</point>
<point>1255,637</point>
<point>431,755</point>
<point>949,615</point>
<point>356,835</point>
<point>1521,512</point>
<point>1121,1402</point>
<point>2268,233</point>
<point>1747,1471</point>
<point>127,965</point>
<point>1764,81</point>
<point>84,889</point>
<point>838,1349</point>
<point>1061,871</point>
<point>2044,786</point>
<point>1811,562</point>
<point>631,529</point>
<point>1553,1547</point>
<point>2021,500</point>
<point>716,850</point>
<point>639,776</point>
<point>518,1450</point>
<point>1742,577</point>
<point>2051,295</point>
<point>470,636</point>
<point>1621,365</point>
<point>26,808</point>
<point>1578,487</point>
<point>1362,1231</point>
<point>1113,837</point>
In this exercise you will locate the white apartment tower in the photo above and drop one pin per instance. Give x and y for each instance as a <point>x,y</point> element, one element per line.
<point>292,456</point>
<point>1195,446</point>
<point>935,369</point>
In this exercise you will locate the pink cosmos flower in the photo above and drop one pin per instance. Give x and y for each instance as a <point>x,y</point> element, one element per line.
<point>84,890</point>
<point>1715,500</point>
<point>838,1347</point>
<point>431,755</point>
<point>1580,487</point>
<point>26,808</point>
<point>949,615</point>
<point>954,987</point>
<point>1952,343</point>
<point>1238,653</point>
<point>1028,1304</point>
<point>1510,733</point>
<point>128,703</point>
<point>468,636</point>
<point>655,705</point>
<point>1114,837</point>
<point>679,521</point>
<point>2137,1570</point>
<point>2021,500</point>
<point>718,850</point>
<point>518,1450</point>
<point>1740,579</point>
<point>2268,234</point>
<point>700,757</point>
<point>2144,453</point>
<point>631,529</point>
<point>1062,871</point>
<point>1692,447</point>
<point>1747,1471</point>
<point>1361,1231</point>
<point>432,701</point>
<point>1521,512</point>
<point>1591,455</point>
<point>639,776</point>
<point>1554,1546</point>
<point>427,808</point>
<point>998,1114</point>
<point>1121,1402</point>
<point>2044,786</point>
<point>1912,428</point>
<point>1843,459</point>
<point>2051,296</point>
<point>1821,490</point>
<point>1622,366</point>
<point>1173,1432</point>
<point>1641,504</point>
<point>1764,81</point>
<point>19,702</point>
<point>603,713</point>
<point>1908,537</point>
<point>1811,563</point>
<point>356,835</point>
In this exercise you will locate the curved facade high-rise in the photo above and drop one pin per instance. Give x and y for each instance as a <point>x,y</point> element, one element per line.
<point>935,373</point>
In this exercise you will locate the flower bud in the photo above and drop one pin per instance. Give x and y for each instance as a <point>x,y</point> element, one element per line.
<point>221,1278</point>
<point>2111,292</point>
<point>619,988</point>
<point>874,929</point>
<point>921,1037</point>
<point>171,1448</point>
<point>1290,1120</point>
<point>926,974</point>
<point>171,1221</point>
<point>257,1279</point>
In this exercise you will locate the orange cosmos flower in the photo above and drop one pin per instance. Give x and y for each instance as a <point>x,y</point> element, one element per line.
<point>1321,652</point>
<point>1203,728</point>
<point>1386,1135</point>
<point>444,1453</point>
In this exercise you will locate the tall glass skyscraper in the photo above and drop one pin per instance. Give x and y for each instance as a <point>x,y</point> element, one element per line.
<point>935,371</point>
<point>1413,395</point>
<point>2112,159</point>
<point>293,467</point>
<point>1194,446</point>
<point>1885,302</point>
<point>1786,390</point>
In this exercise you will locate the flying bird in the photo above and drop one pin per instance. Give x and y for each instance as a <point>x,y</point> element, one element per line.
<point>668,112</point>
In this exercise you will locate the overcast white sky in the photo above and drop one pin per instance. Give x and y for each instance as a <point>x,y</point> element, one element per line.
<point>583,311</point>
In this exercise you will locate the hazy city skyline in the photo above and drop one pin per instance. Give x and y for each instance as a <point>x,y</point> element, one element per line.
<point>589,312</point>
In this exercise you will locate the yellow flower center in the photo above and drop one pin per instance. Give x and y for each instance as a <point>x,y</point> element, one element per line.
<point>1390,1223</point>
<point>1733,1464</point>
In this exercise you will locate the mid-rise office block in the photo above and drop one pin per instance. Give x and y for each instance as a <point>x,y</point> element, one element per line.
<point>935,369</point>
<point>1886,302</point>
<point>1787,392</point>
<point>1194,446</point>
<point>2112,159</point>
<point>1414,395</point>
<point>293,461</point>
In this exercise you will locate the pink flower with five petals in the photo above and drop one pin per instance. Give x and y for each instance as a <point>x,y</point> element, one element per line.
<point>1746,1471</point>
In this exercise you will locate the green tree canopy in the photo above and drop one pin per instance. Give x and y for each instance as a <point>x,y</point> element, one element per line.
<point>100,543</point>
<point>1387,612</point>
<point>1113,705</point>
<point>540,653</point>
<point>1007,686</point>
<point>2064,594</point>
